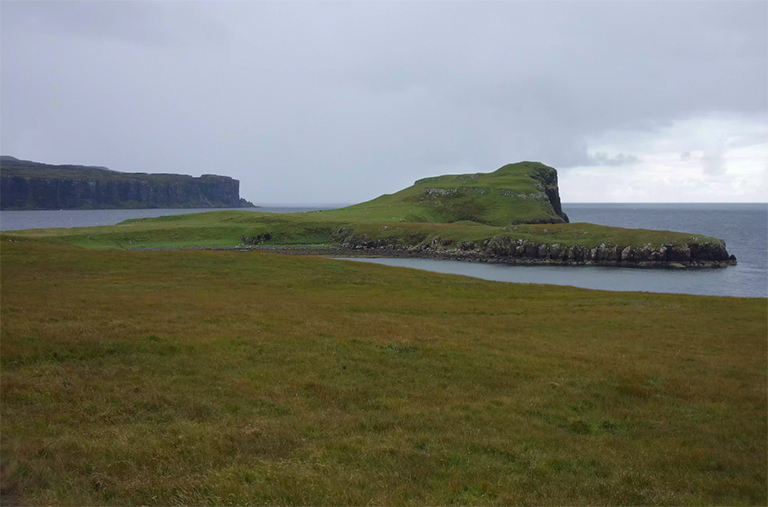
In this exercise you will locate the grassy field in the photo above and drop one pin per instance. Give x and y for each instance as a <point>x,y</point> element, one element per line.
<point>225,228</point>
<point>210,377</point>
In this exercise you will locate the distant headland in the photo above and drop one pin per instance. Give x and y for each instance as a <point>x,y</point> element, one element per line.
<point>512,215</point>
<point>27,185</point>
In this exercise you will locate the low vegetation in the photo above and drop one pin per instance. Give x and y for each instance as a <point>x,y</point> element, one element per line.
<point>525,192</point>
<point>228,228</point>
<point>518,201</point>
<point>232,378</point>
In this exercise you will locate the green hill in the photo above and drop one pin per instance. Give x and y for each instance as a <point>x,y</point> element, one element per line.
<point>521,193</point>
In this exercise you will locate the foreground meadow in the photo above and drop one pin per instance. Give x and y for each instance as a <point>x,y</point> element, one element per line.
<point>224,377</point>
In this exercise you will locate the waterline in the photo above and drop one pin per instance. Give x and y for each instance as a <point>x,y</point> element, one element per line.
<point>704,282</point>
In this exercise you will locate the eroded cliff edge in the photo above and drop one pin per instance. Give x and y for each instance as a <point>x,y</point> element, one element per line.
<point>32,185</point>
<point>695,253</point>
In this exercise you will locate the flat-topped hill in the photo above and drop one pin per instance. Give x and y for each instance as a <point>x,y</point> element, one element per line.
<point>33,185</point>
<point>521,193</point>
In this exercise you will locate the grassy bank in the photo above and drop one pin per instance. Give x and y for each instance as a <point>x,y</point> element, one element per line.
<point>207,377</point>
<point>226,228</point>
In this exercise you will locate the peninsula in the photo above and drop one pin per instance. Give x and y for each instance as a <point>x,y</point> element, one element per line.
<point>512,215</point>
<point>32,185</point>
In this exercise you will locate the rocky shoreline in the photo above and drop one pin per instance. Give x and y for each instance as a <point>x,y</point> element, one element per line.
<point>508,250</point>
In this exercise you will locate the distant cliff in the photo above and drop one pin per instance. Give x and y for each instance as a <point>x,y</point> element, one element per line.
<point>32,185</point>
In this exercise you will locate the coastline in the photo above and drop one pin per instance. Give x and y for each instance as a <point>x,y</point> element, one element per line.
<point>457,254</point>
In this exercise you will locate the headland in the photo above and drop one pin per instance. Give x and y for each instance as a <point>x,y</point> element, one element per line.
<point>512,215</point>
<point>27,185</point>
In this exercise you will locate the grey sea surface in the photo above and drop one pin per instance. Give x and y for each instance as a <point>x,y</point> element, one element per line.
<point>45,219</point>
<point>744,227</point>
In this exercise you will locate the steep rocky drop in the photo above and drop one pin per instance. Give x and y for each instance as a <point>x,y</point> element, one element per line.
<point>32,185</point>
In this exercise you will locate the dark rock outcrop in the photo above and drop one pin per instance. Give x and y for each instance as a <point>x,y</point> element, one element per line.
<point>547,176</point>
<point>508,250</point>
<point>32,185</point>
<point>257,239</point>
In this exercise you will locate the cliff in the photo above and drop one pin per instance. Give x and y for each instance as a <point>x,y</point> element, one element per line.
<point>521,193</point>
<point>32,185</point>
<point>695,253</point>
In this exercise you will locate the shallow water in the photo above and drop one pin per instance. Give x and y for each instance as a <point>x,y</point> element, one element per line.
<point>44,219</point>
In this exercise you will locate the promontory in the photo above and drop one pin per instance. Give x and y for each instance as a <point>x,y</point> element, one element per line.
<point>32,185</point>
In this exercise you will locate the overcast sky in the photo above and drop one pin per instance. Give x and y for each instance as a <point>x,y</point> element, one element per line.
<point>339,102</point>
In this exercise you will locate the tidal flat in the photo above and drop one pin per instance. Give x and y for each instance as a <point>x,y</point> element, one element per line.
<point>231,378</point>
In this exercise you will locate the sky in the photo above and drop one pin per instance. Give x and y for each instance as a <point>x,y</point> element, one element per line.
<point>340,102</point>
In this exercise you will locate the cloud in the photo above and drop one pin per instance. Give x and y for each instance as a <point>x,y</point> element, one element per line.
<point>715,158</point>
<point>601,158</point>
<point>342,101</point>
<point>139,22</point>
<point>151,24</point>
<point>713,163</point>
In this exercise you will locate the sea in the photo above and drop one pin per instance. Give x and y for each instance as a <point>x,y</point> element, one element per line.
<point>743,226</point>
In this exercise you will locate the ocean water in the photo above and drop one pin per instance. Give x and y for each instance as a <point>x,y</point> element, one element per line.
<point>744,227</point>
<point>44,219</point>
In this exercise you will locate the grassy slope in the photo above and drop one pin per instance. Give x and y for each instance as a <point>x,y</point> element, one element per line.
<point>245,378</point>
<point>483,198</point>
<point>225,228</point>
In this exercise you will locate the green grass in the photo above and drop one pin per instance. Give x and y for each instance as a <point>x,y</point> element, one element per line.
<point>512,194</point>
<point>209,377</point>
<point>225,228</point>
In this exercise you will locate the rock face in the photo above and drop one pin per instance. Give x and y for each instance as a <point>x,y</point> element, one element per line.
<point>508,250</point>
<point>548,178</point>
<point>31,185</point>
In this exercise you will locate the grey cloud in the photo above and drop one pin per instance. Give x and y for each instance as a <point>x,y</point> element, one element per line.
<point>139,22</point>
<point>713,164</point>
<point>621,159</point>
<point>342,101</point>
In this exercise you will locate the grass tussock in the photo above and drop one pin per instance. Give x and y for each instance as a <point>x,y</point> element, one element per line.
<point>178,377</point>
